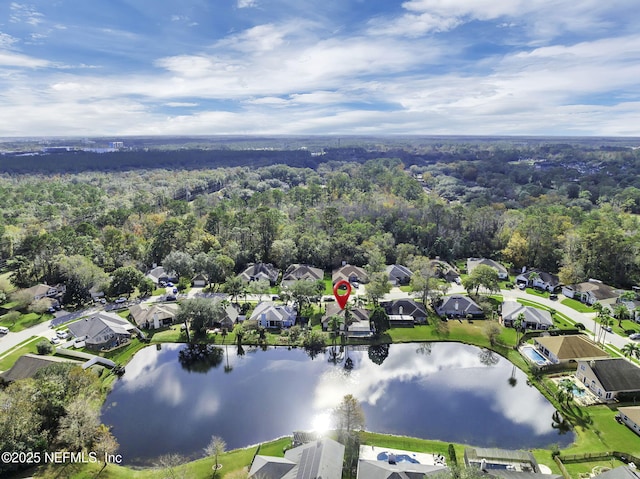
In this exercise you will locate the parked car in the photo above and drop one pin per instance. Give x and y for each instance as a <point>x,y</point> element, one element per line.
<point>522,286</point>
<point>55,340</point>
<point>607,329</point>
<point>171,297</point>
<point>62,334</point>
<point>553,296</point>
<point>175,290</point>
<point>4,330</point>
<point>120,300</point>
<point>634,336</point>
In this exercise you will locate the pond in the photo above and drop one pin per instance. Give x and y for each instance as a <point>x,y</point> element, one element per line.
<point>173,399</point>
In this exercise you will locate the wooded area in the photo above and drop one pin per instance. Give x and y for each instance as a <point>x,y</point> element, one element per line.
<point>560,207</point>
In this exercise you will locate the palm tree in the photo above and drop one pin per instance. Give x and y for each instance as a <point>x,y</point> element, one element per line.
<point>517,324</point>
<point>631,350</point>
<point>620,312</point>
<point>567,388</point>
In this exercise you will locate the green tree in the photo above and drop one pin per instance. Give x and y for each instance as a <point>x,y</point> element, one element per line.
<point>484,276</point>
<point>180,263</point>
<point>517,325</point>
<point>492,330</point>
<point>125,280</point>
<point>146,287</point>
<point>79,424</point>
<point>234,287</point>
<point>621,312</point>
<point>349,419</point>
<point>380,320</point>
<point>377,287</point>
<point>200,313</point>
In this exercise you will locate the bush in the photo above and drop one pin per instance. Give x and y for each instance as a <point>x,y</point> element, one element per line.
<point>44,347</point>
<point>580,326</point>
<point>629,332</point>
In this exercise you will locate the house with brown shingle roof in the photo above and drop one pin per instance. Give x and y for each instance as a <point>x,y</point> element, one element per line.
<point>569,348</point>
<point>630,415</point>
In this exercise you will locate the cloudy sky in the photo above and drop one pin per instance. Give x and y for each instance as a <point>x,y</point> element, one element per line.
<point>205,67</point>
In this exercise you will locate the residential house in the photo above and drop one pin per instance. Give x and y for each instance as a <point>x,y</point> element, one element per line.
<point>359,325</point>
<point>406,307</point>
<point>261,271</point>
<point>274,316</point>
<point>490,459</point>
<point>27,365</point>
<point>350,273</point>
<point>568,349</point>
<point>444,270</point>
<point>535,278</point>
<point>620,472</point>
<point>399,275</point>
<point>231,317</point>
<point>102,331</point>
<point>630,415</point>
<point>374,469</point>
<point>200,280</point>
<point>297,272</point>
<point>158,274</point>
<point>473,263</point>
<point>153,316</point>
<point>458,306</point>
<point>633,306</point>
<point>534,318</point>
<point>319,459</point>
<point>591,292</point>
<point>608,378</point>
<point>40,291</point>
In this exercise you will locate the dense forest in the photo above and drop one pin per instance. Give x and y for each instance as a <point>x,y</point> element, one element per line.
<point>567,208</point>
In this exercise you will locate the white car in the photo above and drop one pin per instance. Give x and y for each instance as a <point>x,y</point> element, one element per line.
<point>634,336</point>
<point>120,300</point>
<point>62,334</point>
<point>55,340</point>
<point>4,330</point>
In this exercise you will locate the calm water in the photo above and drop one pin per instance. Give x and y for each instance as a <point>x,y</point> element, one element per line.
<point>171,402</point>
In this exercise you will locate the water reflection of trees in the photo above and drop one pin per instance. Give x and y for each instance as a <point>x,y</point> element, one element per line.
<point>559,423</point>
<point>378,353</point>
<point>200,358</point>
<point>488,357</point>
<point>424,348</point>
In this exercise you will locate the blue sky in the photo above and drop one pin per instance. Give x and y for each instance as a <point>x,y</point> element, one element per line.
<point>300,67</point>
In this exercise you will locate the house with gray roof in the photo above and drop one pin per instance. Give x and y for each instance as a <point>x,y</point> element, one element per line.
<point>258,271</point>
<point>536,278</point>
<point>373,469</point>
<point>458,306</point>
<point>296,272</point>
<point>609,378</point>
<point>359,325</point>
<point>102,331</point>
<point>318,459</point>
<point>534,318</point>
<point>153,316</point>
<point>473,263</point>
<point>592,291</point>
<point>399,275</point>
<point>491,460</point>
<point>274,316</point>
<point>444,270</point>
<point>621,472</point>
<point>406,307</point>
<point>348,272</point>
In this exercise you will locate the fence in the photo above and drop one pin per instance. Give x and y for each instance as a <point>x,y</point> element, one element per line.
<point>594,456</point>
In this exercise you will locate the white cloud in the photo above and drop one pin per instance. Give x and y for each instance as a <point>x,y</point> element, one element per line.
<point>247,3</point>
<point>6,40</point>
<point>23,13</point>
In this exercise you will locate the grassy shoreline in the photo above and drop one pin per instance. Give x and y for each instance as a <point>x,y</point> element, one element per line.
<point>595,428</point>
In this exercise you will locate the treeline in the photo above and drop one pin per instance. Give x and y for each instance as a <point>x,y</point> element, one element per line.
<point>374,212</point>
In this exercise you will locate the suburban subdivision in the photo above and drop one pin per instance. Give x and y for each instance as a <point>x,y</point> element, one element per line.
<point>348,313</point>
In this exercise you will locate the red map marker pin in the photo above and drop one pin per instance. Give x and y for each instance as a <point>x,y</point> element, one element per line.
<point>342,298</point>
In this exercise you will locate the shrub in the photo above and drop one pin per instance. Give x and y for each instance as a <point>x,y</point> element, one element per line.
<point>629,332</point>
<point>44,347</point>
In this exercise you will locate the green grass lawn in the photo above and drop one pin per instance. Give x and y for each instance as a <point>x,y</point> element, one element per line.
<point>25,321</point>
<point>28,346</point>
<point>577,305</point>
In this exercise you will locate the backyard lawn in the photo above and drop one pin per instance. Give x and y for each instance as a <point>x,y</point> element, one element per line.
<point>24,321</point>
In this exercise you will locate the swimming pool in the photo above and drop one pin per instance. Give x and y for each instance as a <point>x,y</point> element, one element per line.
<point>534,355</point>
<point>383,456</point>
